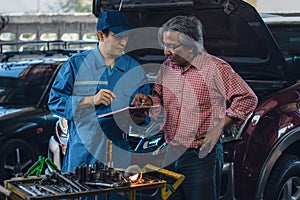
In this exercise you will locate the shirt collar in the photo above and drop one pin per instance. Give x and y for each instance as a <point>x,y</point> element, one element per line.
<point>98,56</point>
<point>198,60</point>
<point>118,61</point>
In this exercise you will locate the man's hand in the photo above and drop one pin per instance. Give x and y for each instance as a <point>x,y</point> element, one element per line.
<point>141,100</point>
<point>138,116</point>
<point>104,96</point>
<point>210,140</point>
<point>211,137</point>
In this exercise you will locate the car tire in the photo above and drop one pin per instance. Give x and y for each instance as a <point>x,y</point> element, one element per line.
<point>284,181</point>
<point>17,156</point>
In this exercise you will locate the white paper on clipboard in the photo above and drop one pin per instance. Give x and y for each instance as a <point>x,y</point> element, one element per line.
<point>127,109</point>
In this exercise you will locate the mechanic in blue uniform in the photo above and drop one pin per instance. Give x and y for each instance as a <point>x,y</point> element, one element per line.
<point>96,82</point>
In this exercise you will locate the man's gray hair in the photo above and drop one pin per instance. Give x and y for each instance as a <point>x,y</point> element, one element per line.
<point>190,31</point>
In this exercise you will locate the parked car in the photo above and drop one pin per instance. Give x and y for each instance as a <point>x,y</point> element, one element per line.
<point>262,158</point>
<point>26,124</point>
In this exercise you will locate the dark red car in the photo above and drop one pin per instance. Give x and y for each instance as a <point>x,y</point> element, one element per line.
<point>262,157</point>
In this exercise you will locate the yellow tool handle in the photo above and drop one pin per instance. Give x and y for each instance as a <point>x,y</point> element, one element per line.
<point>166,191</point>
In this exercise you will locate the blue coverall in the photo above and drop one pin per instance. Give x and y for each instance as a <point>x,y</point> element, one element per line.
<point>84,74</point>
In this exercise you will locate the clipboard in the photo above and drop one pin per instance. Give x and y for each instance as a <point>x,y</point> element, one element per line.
<point>126,110</point>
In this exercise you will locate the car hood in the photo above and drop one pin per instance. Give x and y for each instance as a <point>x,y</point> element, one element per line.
<point>233,30</point>
<point>11,112</point>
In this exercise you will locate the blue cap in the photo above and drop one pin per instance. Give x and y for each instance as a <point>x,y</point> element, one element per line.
<point>113,20</point>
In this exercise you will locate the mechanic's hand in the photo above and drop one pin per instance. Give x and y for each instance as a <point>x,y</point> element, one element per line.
<point>104,96</point>
<point>210,140</point>
<point>141,100</point>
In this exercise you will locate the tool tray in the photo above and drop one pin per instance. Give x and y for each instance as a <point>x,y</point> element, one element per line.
<point>19,193</point>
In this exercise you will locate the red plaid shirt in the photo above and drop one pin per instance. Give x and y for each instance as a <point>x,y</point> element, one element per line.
<point>195,100</point>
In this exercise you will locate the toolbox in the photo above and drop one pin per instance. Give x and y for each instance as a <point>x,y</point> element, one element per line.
<point>21,188</point>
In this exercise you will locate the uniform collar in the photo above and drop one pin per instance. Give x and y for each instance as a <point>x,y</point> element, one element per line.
<point>100,60</point>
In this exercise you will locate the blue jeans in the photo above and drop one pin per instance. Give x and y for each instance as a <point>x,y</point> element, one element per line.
<point>202,175</point>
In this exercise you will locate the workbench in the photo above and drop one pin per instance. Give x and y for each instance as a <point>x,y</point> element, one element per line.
<point>16,193</point>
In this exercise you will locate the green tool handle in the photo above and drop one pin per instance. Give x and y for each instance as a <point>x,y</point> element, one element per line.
<point>36,167</point>
<point>52,165</point>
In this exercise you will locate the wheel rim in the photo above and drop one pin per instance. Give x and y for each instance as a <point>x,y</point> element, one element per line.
<point>16,163</point>
<point>291,189</point>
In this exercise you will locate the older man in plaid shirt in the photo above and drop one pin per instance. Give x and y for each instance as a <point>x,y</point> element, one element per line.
<point>201,95</point>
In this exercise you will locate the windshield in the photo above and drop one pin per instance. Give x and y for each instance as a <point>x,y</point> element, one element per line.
<point>288,38</point>
<point>26,86</point>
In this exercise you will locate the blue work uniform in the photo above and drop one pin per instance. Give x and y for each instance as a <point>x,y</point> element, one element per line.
<point>84,74</point>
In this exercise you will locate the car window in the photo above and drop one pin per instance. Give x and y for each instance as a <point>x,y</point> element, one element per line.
<point>27,87</point>
<point>287,36</point>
